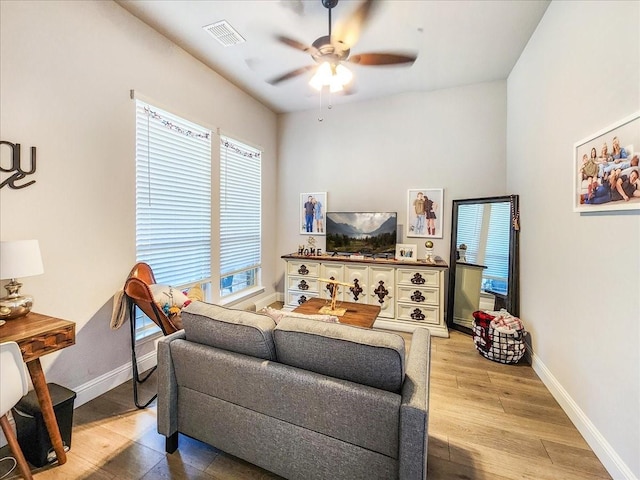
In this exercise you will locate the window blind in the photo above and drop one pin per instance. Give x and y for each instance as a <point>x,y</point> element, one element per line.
<point>469,230</point>
<point>173,196</point>
<point>240,215</point>
<point>497,250</point>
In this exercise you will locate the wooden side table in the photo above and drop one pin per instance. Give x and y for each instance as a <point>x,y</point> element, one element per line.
<point>37,335</point>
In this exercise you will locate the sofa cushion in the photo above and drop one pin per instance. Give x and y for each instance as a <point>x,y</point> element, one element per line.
<point>355,354</point>
<point>238,331</point>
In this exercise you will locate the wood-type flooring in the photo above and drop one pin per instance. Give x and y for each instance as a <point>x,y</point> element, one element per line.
<point>486,421</point>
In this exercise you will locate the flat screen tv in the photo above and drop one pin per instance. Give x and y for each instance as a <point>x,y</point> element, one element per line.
<point>366,233</point>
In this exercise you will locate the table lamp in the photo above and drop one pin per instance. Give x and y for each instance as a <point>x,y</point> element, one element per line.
<point>18,258</point>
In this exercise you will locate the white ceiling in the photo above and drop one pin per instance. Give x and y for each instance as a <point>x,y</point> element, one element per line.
<point>457,42</point>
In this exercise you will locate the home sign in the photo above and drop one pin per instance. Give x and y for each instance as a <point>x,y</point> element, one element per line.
<point>17,175</point>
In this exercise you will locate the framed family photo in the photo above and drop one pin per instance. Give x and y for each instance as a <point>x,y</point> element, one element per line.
<point>605,168</point>
<point>424,212</point>
<point>313,208</point>
<point>407,252</point>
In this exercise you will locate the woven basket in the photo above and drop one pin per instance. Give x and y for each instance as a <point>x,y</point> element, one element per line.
<point>497,345</point>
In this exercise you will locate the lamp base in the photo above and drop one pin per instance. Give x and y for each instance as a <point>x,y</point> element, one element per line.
<point>15,306</point>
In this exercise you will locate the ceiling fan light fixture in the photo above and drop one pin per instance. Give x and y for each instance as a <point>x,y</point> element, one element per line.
<point>330,75</point>
<point>322,76</point>
<point>335,85</point>
<point>344,74</point>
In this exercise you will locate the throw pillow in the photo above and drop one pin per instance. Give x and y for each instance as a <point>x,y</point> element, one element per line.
<point>169,299</point>
<point>196,293</point>
<point>278,315</point>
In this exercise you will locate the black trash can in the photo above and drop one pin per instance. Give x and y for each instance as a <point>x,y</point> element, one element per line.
<point>32,433</point>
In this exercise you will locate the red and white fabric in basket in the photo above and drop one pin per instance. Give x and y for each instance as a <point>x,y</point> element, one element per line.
<point>498,336</point>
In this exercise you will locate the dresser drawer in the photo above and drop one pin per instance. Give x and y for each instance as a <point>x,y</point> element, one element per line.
<point>47,342</point>
<point>418,277</point>
<point>429,296</point>
<point>418,313</point>
<point>304,284</point>
<point>305,269</point>
<point>296,298</point>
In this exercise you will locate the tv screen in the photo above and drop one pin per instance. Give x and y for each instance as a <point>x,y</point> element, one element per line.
<point>368,233</point>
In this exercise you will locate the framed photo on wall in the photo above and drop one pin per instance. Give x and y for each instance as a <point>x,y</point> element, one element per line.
<point>605,168</point>
<point>407,252</point>
<point>424,212</point>
<point>313,208</point>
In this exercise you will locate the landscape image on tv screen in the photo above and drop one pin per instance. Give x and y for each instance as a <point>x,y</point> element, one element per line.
<point>368,233</point>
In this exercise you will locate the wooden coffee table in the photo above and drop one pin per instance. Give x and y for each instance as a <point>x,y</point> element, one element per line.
<point>357,314</point>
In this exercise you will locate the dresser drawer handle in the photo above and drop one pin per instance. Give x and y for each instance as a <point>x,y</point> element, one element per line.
<point>381,292</point>
<point>417,279</point>
<point>356,289</point>
<point>303,285</point>
<point>417,297</point>
<point>417,314</point>
<point>303,270</point>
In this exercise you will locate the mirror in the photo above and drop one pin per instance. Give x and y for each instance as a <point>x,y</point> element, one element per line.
<point>483,274</point>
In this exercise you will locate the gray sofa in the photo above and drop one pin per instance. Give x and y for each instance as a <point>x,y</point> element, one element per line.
<point>303,399</point>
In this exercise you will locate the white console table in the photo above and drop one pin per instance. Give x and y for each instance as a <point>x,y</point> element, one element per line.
<point>410,294</point>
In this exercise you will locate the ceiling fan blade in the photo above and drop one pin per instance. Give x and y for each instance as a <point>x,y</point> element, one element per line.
<point>348,31</point>
<point>296,44</point>
<point>296,6</point>
<point>382,59</point>
<point>291,74</point>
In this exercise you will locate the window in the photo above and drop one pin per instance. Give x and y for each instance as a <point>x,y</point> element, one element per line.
<point>496,256</point>
<point>173,200</point>
<point>240,216</point>
<point>469,228</point>
<point>485,229</point>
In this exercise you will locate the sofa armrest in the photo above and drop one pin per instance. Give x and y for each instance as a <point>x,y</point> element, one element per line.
<point>167,386</point>
<point>414,409</point>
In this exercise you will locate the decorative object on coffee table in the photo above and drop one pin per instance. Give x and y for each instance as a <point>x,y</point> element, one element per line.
<point>332,308</point>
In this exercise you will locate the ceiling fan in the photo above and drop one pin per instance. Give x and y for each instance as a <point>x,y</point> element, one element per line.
<point>330,51</point>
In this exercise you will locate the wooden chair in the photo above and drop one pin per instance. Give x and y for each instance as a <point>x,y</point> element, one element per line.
<point>138,294</point>
<point>14,386</point>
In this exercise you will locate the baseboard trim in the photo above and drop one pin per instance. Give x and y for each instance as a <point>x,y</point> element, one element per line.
<point>267,300</point>
<point>102,384</point>
<point>612,462</point>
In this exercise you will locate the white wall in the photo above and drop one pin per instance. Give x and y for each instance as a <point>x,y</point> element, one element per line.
<point>367,155</point>
<point>66,71</point>
<point>580,273</point>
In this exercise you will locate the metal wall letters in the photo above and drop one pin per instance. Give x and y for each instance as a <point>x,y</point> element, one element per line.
<point>15,170</point>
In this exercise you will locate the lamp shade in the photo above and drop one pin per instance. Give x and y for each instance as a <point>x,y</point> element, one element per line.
<point>20,258</point>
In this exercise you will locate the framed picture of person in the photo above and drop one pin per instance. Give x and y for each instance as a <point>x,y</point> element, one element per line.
<point>424,212</point>
<point>313,208</point>
<point>605,168</point>
<point>406,252</point>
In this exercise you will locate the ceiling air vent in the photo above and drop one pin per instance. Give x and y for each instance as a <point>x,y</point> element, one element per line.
<point>224,33</point>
